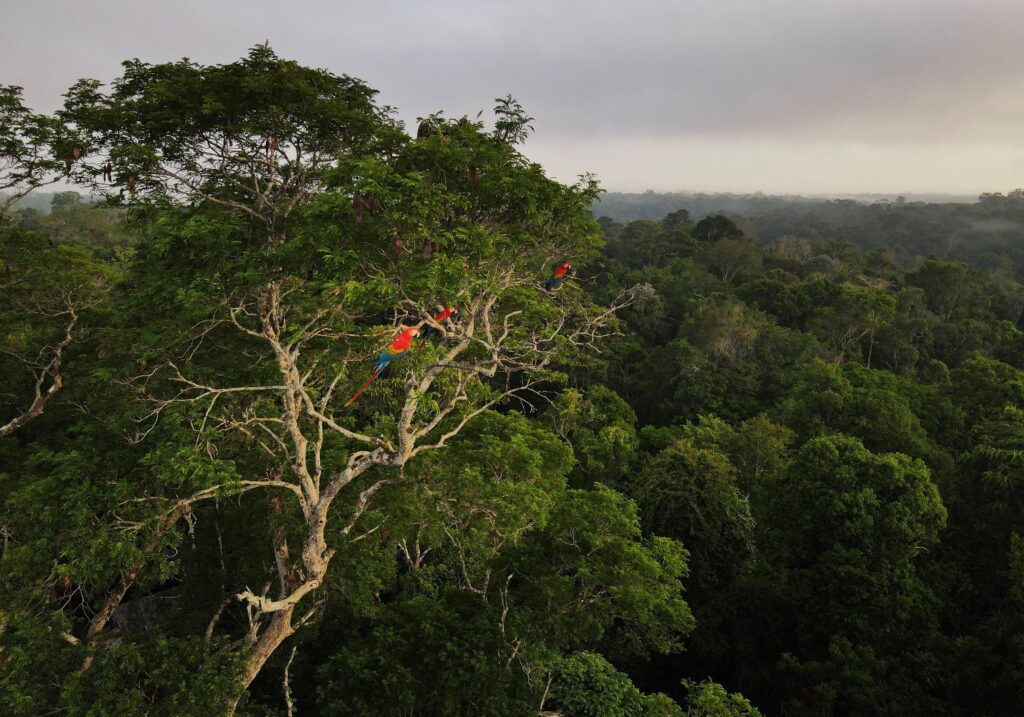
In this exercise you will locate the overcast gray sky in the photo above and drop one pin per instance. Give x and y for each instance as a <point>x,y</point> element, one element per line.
<point>802,96</point>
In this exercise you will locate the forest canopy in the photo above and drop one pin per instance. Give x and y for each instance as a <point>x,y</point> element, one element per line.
<point>721,464</point>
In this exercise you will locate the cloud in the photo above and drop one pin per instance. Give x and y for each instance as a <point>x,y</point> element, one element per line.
<point>832,167</point>
<point>897,78</point>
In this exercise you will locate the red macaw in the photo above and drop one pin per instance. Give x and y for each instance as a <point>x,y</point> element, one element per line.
<point>395,349</point>
<point>430,330</point>
<point>560,274</point>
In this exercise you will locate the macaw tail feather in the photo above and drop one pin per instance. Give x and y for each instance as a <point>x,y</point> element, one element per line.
<point>553,284</point>
<point>366,385</point>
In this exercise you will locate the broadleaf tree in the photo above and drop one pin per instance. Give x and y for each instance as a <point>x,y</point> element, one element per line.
<point>292,229</point>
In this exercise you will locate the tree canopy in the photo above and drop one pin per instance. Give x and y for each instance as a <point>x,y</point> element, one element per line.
<point>735,465</point>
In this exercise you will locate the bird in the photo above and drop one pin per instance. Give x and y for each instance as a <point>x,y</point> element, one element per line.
<point>398,346</point>
<point>559,275</point>
<point>443,316</point>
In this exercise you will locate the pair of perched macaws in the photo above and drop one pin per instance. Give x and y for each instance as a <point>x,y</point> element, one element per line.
<point>401,343</point>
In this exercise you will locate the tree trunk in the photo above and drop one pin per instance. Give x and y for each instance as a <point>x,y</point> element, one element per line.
<point>279,630</point>
<point>276,632</point>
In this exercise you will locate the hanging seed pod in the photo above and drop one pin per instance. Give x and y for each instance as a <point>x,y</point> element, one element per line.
<point>76,152</point>
<point>428,250</point>
<point>131,185</point>
<point>399,245</point>
<point>471,171</point>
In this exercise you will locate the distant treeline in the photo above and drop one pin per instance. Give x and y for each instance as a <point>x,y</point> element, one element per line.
<point>988,233</point>
<point>630,206</point>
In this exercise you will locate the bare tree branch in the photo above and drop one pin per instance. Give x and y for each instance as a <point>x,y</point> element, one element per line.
<point>52,371</point>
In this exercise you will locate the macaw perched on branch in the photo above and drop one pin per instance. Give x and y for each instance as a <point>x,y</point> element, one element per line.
<point>430,330</point>
<point>562,272</point>
<point>395,350</point>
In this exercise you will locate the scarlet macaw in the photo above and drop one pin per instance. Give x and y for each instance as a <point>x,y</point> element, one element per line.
<point>395,349</point>
<point>560,274</point>
<point>430,330</point>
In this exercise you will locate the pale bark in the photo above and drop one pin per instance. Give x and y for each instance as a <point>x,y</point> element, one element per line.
<point>50,370</point>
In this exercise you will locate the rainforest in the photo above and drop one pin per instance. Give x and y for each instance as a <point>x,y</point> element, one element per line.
<point>305,411</point>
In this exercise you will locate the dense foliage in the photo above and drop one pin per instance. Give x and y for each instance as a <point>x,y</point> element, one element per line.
<point>709,475</point>
<point>831,435</point>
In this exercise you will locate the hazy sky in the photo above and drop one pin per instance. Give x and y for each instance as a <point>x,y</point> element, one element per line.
<point>804,96</point>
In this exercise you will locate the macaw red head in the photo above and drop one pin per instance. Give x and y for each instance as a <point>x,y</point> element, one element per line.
<point>404,339</point>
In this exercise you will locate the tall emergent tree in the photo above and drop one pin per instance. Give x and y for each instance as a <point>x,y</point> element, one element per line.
<point>292,229</point>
